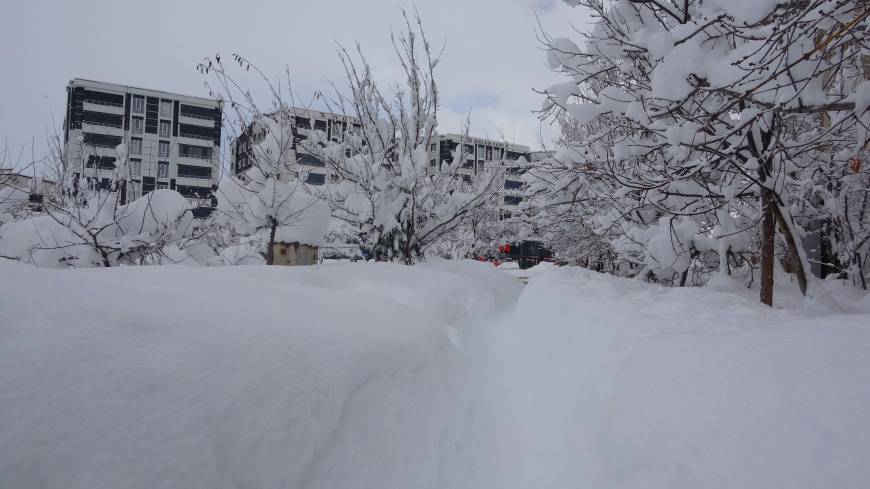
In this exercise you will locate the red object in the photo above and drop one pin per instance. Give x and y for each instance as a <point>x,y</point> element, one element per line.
<point>501,248</point>
<point>855,165</point>
<point>507,248</point>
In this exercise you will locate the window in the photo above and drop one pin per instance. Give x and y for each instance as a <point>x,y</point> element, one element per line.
<point>162,169</point>
<point>315,179</point>
<point>138,125</point>
<point>138,105</point>
<point>165,127</point>
<point>162,185</point>
<point>166,109</point>
<point>192,171</point>
<point>135,167</point>
<point>481,152</point>
<point>512,200</point>
<point>163,151</point>
<point>512,185</point>
<point>135,146</point>
<point>433,163</point>
<point>198,152</point>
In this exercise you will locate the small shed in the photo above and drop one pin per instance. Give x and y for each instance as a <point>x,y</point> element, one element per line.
<point>292,254</point>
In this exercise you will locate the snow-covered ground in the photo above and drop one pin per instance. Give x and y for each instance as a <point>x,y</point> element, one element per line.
<point>449,375</point>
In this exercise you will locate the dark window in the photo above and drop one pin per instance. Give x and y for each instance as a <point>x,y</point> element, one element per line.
<point>512,200</point>
<point>205,113</point>
<point>512,185</point>
<point>101,162</point>
<point>101,119</point>
<point>446,151</point>
<point>309,160</point>
<point>191,191</point>
<point>192,171</point>
<point>103,98</point>
<point>152,106</point>
<point>303,123</point>
<point>315,179</point>
<point>138,125</point>
<point>319,125</point>
<point>189,151</point>
<point>102,140</point>
<point>197,132</point>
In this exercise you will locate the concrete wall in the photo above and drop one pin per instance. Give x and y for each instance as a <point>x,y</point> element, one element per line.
<point>293,254</point>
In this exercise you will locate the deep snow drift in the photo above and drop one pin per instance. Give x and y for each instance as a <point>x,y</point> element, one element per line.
<point>185,377</point>
<point>384,376</point>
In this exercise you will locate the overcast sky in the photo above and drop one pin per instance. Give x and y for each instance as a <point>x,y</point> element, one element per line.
<point>491,63</point>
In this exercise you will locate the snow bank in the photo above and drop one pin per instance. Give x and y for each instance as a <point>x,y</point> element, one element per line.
<point>164,377</point>
<point>605,382</point>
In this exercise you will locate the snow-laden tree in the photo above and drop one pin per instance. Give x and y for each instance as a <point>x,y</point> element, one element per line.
<point>386,186</point>
<point>703,127</point>
<point>266,203</point>
<point>92,224</point>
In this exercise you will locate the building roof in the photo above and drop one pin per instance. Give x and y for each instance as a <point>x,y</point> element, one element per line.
<point>116,86</point>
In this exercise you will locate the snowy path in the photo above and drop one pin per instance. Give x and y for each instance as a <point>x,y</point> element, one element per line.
<point>593,381</point>
<point>450,375</point>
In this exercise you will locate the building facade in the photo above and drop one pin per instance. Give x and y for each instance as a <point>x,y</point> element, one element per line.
<point>173,141</point>
<point>297,161</point>
<point>480,154</point>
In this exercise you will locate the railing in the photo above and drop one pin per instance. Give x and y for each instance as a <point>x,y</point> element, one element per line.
<point>197,116</point>
<point>103,102</point>
<point>196,157</point>
<point>198,177</point>
<point>103,124</point>
<point>194,136</point>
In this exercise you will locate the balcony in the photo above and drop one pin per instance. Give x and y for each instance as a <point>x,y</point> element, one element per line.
<point>103,106</point>
<point>102,128</point>
<point>195,140</point>
<point>187,160</point>
<point>196,120</point>
<point>193,180</point>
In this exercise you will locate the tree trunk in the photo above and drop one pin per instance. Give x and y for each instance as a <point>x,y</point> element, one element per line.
<point>768,251</point>
<point>270,250</point>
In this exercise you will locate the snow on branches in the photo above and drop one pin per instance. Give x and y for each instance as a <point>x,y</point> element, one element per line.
<point>698,124</point>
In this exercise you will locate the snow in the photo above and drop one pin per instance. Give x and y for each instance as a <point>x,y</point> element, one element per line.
<point>446,374</point>
<point>603,382</point>
<point>224,377</point>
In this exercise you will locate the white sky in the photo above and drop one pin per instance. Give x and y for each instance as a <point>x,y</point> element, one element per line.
<point>491,62</point>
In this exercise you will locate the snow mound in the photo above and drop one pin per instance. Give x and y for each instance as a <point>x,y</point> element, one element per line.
<point>226,377</point>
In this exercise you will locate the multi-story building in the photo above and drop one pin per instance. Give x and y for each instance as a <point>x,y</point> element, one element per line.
<point>173,141</point>
<point>298,160</point>
<point>482,153</point>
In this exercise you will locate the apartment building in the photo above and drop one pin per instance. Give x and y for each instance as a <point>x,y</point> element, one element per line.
<point>298,161</point>
<point>480,153</point>
<point>173,140</point>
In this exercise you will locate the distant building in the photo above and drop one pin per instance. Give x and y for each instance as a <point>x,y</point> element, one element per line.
<point>298,160</point>
<point>173,140</point>
<point>479,154</point>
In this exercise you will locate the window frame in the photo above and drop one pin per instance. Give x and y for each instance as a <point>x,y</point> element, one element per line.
<point>137,108</point>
